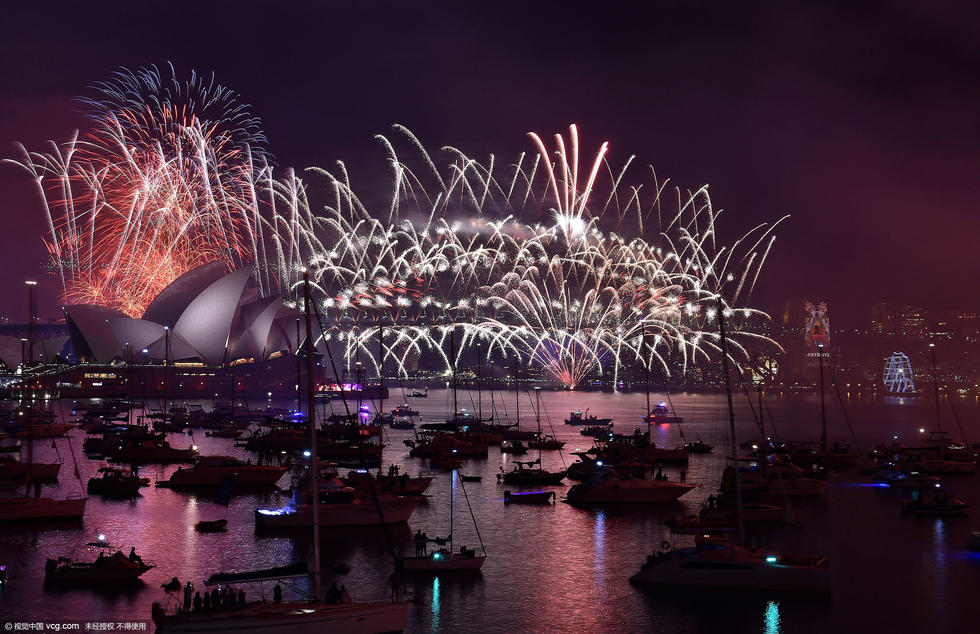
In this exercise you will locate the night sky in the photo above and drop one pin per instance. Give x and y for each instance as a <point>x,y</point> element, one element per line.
<point>860,122</point>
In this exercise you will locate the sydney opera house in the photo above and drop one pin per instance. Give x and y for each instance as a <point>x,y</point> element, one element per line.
<point>208,334</point>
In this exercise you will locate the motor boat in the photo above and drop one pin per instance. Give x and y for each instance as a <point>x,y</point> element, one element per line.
<point>211,526</point>
<point>905,479</point>
<point>547,442</point>
<point>339,505</point>
<point>661,415</point>
<point>942,503</point>
<point>116,482</point>
<point>722,518</point>
<point>607,486</point>
<point>578,418</point>
<point>528,473</point>
<point>698,446</point>
<point>210,471</point>
<point>112,569</point>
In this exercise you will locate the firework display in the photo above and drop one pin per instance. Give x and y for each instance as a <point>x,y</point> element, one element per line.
<point>558,259</point>
<point>167,178</point>
<point>530,259</point>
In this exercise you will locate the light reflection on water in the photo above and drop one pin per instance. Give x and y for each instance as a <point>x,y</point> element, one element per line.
<point>771,623</point>
<point>550,568</point>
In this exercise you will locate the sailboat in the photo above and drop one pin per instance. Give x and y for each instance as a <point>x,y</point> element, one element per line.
<point>296,617</point>
<point>721,563</point>
<point>530,472</point>
<point>27,508</point>
<point>443,559</point>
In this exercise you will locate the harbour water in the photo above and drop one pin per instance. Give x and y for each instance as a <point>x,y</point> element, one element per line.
<point>550,568</point>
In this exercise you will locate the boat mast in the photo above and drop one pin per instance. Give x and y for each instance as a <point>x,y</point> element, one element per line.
<point>299,373</point>
<point>166,372</point>
<point>537,415</point>
<point>517,392</point>
<point>935,383</point>
<point>646,367</point>
<point>452,351</point>
<point>823,409</point>
<point>731,420</point>
<point>479,383</point>
<point>452,472</point>
<point>381,375</point>
<point>311,404</point>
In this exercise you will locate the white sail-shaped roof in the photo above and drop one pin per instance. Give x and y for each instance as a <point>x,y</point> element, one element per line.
<point>179,349</point>
<point>254,325</point>
<point>45,350</point>
<point>91,334</point>
<point>11,351</point>
<point>206,322</point>
<point>167,307</point>
<point>138,333</point>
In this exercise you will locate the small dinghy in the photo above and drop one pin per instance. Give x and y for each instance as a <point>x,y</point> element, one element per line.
<point>533,497</point>
<point>212,526</point>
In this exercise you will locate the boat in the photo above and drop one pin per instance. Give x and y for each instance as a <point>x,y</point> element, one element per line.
<point>607,486</point>
<point>728,565</point>
<point>404,410</point>
<point>364,482</point>
<point>531,497</point>
<point>470,478</point>
<point>776,476</point>
<point>444,559</point>
<point>661,415</point>
<point>698,447</point>
<point>941,504</point>
<point>578,418</point>
<point>597,431</point>
<point>905,479</point>
<point>211,471</point>
<point>296,617</point>
<point>26,508</point>
<point>112,569</point>
<point>148,452</point>
<point>720,518</point>
<point>401,423</point>
<point>211,526</point>
<point>446,461</point>
<point>586,467</point>
<point>547,442</point>
<point>515,447</point>
<point>417,394</point>
<point>225,432</point>
<point>972,542</point>
<point>11,469</point>
<point>526,472</point>
<point>339,505</point>
<point>716,563</point>
<point>116,482</point>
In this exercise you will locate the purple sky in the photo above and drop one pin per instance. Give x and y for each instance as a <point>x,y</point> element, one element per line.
<point>861,123</point>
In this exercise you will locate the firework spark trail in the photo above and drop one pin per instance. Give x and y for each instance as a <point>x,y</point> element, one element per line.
<point>567,294</point>
<point>171,175</point>
<point>514,255</point>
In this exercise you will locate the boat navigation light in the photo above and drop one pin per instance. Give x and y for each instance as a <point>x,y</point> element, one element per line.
<point>770,559</point>
<point>437,555</point>
<point>922,430</point>
<point>306,454</point>
<point>599,462</point>
<point>101,537</point>
<point>193,447</point>
<point>938,486</point>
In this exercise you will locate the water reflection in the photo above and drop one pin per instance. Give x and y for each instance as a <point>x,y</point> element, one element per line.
<point>599,540</point>
<point>435,604</point>
<point>770,623</point>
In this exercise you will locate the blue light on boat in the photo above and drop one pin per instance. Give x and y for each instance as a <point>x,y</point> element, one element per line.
<point>437,555</point>
<point>770,559</point>
<point>362,470</point>
<point>599,462</point>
